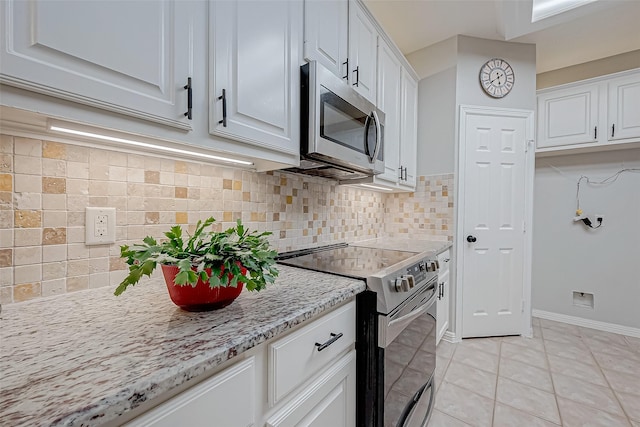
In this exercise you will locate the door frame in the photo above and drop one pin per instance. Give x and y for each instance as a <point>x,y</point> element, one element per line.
<point>464,112</point>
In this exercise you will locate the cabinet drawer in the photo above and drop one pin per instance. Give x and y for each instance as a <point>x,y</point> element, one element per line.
<point>296,357</point>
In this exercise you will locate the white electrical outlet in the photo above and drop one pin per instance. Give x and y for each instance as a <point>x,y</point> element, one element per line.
<point>100,225</point>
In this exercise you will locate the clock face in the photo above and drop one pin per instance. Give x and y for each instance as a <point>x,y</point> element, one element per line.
<point>497,77</point>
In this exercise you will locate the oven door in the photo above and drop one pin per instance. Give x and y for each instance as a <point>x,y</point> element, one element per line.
<point>410,360</point>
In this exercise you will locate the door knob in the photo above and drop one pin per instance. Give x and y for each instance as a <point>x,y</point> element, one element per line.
<point>471,239</point>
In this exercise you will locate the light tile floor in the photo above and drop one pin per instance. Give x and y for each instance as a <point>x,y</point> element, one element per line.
<point>565,375</point>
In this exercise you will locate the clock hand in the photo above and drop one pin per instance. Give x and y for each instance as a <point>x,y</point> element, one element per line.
<point>497,78</point>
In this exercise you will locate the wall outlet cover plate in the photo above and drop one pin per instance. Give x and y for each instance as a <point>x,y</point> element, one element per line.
<point>100,226</point>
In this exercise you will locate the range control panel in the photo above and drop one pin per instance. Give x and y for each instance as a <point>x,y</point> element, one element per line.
<point>415,275</point>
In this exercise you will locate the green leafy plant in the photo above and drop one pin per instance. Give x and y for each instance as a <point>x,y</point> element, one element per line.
<point>227,251</point>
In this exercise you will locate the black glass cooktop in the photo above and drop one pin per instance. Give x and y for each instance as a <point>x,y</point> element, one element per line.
<point>350,261</point>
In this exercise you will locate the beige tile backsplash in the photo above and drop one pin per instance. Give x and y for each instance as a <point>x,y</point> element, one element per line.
<point>46,186</point>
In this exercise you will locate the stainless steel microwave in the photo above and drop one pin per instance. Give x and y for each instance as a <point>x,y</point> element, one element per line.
<point>342,133</point>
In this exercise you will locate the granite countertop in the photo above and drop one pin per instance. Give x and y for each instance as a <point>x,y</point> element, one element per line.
<point>87,357</point>
<point>428,247</point>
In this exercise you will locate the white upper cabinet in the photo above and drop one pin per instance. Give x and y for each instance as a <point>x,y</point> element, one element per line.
<point>326,34</point>
<point>132,57</point>
<point>409,130</point>
<point>398,98</point>
<point>389,75</point>
<point>568,117</point>
<point>363,42</point>
<point>624,108</point>
<point>255,63</point>
<point>600,113</point>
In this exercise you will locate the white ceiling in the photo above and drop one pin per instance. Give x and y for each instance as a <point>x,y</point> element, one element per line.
<point>597,30</point>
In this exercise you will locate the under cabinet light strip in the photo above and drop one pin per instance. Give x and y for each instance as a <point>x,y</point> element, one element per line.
<point>146,145</point>
<point>375,187</point>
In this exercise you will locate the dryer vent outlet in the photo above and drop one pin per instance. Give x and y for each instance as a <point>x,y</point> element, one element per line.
<point>583,299</point>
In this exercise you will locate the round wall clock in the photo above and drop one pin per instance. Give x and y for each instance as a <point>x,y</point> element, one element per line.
<point>497,77</point>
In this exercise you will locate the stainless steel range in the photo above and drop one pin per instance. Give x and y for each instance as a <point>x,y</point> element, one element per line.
<point>396,342</point>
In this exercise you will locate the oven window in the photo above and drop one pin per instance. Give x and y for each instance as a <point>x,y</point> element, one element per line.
<point>409,363</point>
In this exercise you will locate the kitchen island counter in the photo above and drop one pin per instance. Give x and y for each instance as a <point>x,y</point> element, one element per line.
<point>85,358</point>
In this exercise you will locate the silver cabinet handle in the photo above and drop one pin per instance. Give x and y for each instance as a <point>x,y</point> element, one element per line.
<point>223,97</point>
<point>334,338</point>
<point>189,90</point>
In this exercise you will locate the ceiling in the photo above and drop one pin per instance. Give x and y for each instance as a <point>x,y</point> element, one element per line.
<point>597,30</point>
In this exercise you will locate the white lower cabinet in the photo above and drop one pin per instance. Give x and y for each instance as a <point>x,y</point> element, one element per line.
<point>442,304</point>
<point>226,399</point>
<point>327,401</point>
<point>307,377</point>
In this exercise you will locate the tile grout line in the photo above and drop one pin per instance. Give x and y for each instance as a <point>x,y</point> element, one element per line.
<point>607,380</point>
<point>444,373</point>
<point>495,393</point>
<point>553,385</point>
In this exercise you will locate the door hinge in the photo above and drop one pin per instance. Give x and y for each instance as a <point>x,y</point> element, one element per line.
<point>524,226</point>
<point>527,144</point>
<point>522,307</point>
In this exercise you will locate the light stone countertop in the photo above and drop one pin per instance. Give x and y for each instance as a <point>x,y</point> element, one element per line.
<point>87,357</point>
<point>428,247</point>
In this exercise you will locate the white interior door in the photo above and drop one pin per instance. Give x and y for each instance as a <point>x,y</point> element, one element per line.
<point>492,218</point>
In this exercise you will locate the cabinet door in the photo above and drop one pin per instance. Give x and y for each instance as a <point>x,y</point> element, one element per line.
<point>328,401</point>
<point>389,75</point>
<point>255,61</point>
<point>409,129</point>
<point>442,320</point>
<point>130,57</point>
<point>363,41</point>
<point>568,117</point>
<point>624,108</point>
<point>226,399</point>
<point>326,40</point>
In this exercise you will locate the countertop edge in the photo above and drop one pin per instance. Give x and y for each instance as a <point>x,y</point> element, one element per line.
<point>163,382</point>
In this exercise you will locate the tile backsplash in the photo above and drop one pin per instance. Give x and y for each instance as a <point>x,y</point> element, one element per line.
<point>45,187</point>
<point>425,214</point>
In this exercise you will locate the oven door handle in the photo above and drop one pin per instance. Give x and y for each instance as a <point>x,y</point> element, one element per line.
<point>407,412</point>
<point>395,326</point>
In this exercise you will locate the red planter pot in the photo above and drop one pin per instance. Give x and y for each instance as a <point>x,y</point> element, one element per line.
<point>201,297</point>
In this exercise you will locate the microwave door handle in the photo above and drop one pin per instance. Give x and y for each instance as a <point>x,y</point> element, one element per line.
<point>378,136</point>
<point>366,128</point>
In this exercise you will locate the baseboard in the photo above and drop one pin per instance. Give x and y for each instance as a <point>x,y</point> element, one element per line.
<point>450,337</point>
<point>587,323</point>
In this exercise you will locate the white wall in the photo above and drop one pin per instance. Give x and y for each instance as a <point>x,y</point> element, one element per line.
<point>474,52</point>
<point>436,123</point>
<point>435,58</point>
<point>568,257</point>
